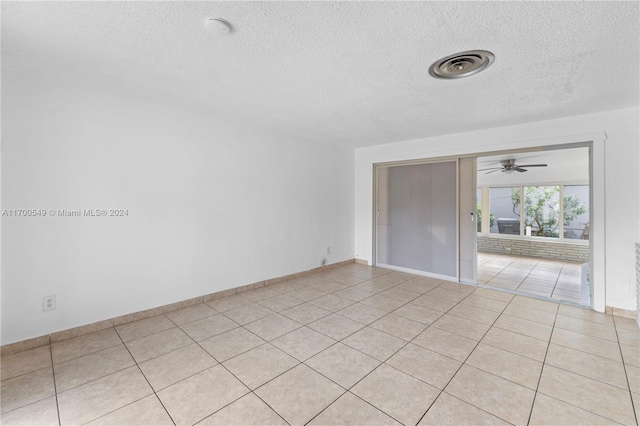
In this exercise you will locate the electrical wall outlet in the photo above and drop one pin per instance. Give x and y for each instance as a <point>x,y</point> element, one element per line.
<point>328,249</point>
<point>48,303</point>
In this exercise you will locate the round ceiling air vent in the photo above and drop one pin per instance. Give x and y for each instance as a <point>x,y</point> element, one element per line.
<point>461,64</point>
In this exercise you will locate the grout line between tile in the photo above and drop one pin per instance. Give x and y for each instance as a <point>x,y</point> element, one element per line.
<point>55,388</point>
<point>145,378</point>
<point>635,409</point>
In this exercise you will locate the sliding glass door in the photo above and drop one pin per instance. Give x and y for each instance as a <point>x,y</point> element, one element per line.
<point>417,217</point>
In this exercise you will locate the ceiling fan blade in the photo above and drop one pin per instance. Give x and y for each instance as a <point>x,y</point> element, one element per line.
<point>533,165</point>
<point>519,169</point>
<point>490,168</point>
<point>493,171</point>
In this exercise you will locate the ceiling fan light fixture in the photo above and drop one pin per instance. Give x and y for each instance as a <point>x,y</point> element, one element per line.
<point>461,64</point>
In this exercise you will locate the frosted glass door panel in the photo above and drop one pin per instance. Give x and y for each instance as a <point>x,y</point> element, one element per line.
<point>417,219</point>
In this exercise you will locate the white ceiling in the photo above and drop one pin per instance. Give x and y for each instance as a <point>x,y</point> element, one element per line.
<point>349,73</point>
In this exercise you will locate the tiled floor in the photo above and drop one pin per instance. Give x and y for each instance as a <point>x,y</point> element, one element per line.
<point>541,277</point>
<point>354,345</point>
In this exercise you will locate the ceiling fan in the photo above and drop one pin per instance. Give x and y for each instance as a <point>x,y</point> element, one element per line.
<point>509,166</point>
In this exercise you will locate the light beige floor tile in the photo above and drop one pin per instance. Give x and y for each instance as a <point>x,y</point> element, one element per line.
<point>510,366</point>
<point>79,371</point>
<point>435,303</point>
<point>195,398</point>
<point>41,413</point>
<point>227,345</point>
<point>144,327</point>
<point>374,286</point>
<point>228,303</point>
<point>457,287</point>
<point>349,280</point>
<point>84,345</point>
<point>257,366</point>
<point>517,343</point>
<point>303,343</point>
<point>329,286</point>
<point>208,327</point>
<point>588,365</point>
<point>426,365</point>
<point>287,286</point>
<point>248,313</point>
<point>601,331</point>
<point>331,302</point>
<point>400,294</point>
<point>446,343</point>
<point>629,337</point>
<point>484,303</point>
<point>374,343</point>
<point>530,302</point>
<point>474,313</point>
<point>362,313</point>
<point>633,374</point>
<point>383,303</point>
<point>272,327</point>
<point>487,293</point>
<point>158,344</point>
<point>190,314</point>
<point>305,313</point>
<point>247,411</point>
<point>354,294</point>
<point>531,314</point>
<point>372,272</point>
<point>349,410</point>
<point>95,399</point>
<point>526,327</point>
<point>631,355</point>
<point>552,412</point>
<point>636,402</point>
<point>443,293</point>
<point>259,294</point>
<point>461,326</point>
<point>599,398</point>
<point>419,284</point>
<point>623,323</point>
<point>342,364</point>
<point>25,362</point>
<point>299,394</point>
<point>26,389</point>
<point>418,313</point>
<point>497,396</point>
<point>589,344</point>
<point>392,278</point>
<point>397,394</point>
<point>451,411</point>
<point>398,326</point>
<point>146,411</point>
<point>177,365</point>
<point>306,294</point>
<point>280,303</point>
<point>336,326</point>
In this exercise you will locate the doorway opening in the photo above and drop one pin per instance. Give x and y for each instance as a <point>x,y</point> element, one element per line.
<point>534,223</point>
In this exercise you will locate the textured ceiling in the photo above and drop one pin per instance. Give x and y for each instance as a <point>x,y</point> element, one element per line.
<point>352,73</point>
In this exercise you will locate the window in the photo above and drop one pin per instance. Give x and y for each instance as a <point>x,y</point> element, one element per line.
<point>576,212</point>
<point>504,214</point>
<point>541,210</point>
<point>536,211</point>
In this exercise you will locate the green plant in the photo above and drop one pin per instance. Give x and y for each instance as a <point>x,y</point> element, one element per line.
<point>492,218</point>
<point>541,209</point>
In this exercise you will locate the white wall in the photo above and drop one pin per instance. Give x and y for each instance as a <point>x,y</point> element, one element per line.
<point>211,205</point>
<point>622,183</point>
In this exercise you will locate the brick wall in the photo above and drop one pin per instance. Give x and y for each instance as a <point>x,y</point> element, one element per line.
<point>559,251</point>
